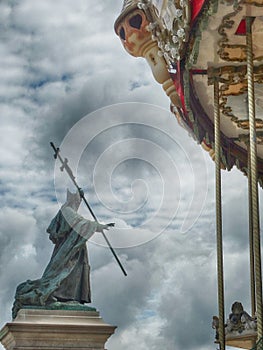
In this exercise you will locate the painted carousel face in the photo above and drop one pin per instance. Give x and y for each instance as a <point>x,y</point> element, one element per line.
<point>133,32</point>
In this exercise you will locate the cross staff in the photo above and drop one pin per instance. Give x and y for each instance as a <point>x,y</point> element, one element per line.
<point>66,167</point>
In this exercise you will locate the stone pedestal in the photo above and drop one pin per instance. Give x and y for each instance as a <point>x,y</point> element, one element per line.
<point>56,329</point>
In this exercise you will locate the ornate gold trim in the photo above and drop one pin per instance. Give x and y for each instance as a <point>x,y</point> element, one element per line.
<point>227,23</point>
<point>233,82</point>
<point>258,3</point>
<point>234,52</point>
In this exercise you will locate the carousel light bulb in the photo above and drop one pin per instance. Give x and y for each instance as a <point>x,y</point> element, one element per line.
<point>174,52</point>
<point>175,39</point>
<point>181,33</point>
<point>183,3</point>
<point>178,13</point>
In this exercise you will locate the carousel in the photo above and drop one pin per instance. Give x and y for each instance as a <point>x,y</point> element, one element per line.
<point>208,57</point>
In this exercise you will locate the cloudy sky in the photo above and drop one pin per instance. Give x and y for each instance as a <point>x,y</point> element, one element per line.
<point>66,78</point>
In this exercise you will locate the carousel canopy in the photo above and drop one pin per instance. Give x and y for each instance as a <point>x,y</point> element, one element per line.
<point>200,40</point>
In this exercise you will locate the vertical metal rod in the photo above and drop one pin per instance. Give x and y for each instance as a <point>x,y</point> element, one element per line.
<point>251,239</point>
<point>220,268</point>
<point>254,175</point>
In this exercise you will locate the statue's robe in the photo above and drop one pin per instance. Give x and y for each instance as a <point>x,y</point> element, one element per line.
<point>66,277</point>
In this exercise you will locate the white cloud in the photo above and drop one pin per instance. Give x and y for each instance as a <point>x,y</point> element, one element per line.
<point>60,61</point>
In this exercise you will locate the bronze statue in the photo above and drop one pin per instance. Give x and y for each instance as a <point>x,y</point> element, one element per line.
<point>66,277</point>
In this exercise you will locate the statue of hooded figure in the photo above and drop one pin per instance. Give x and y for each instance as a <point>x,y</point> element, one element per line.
<point>66,277</point>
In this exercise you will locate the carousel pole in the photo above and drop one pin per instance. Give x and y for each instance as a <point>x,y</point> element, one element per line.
<point>251,239</point>
<point>254,176</point>
<point>220,269</point>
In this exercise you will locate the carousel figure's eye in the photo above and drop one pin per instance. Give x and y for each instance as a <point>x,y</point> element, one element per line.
<point>122,33</point>
<point>136,21</point>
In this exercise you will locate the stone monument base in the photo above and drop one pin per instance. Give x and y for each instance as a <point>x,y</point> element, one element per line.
<point>41,329</point>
